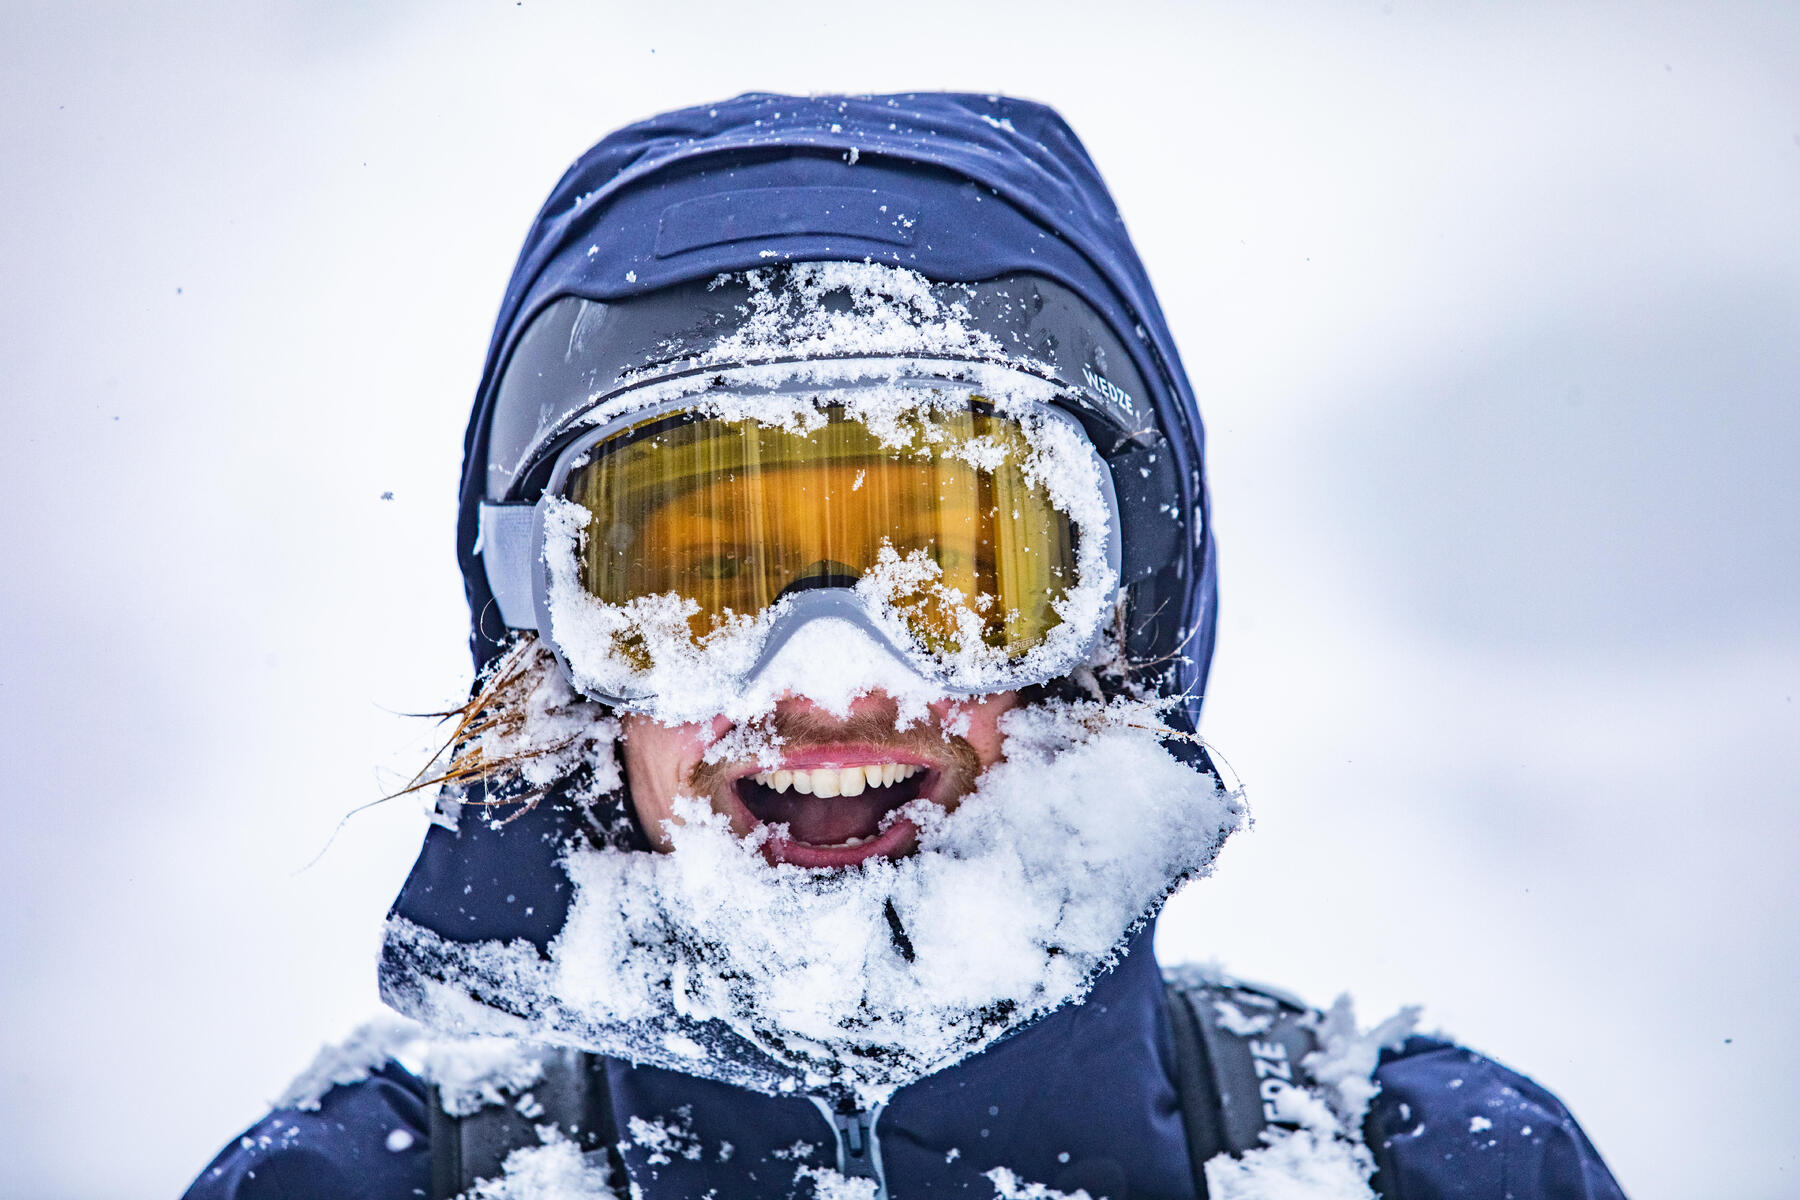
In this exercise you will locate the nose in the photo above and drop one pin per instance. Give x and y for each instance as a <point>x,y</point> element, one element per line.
<point>822,573</point>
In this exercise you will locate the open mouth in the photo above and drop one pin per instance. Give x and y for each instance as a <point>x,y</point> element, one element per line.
<point>834,814</point>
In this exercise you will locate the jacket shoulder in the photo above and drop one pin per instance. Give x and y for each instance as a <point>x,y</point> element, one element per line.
<point>366,1140</point>
<point>1450,1123</point>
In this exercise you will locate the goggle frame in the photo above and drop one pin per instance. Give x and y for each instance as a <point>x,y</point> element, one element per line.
<point>513,539</point>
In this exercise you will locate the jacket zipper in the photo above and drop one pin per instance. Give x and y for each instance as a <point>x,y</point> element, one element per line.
<point>858,1148</point>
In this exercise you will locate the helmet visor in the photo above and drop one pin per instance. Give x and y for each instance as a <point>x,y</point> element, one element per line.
<point>937,519</point>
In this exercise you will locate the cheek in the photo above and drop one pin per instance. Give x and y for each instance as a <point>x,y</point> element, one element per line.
<point>658,761</point>
<point>984,720</point>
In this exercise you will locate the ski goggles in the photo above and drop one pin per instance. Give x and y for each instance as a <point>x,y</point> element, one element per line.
<point>973,539</point>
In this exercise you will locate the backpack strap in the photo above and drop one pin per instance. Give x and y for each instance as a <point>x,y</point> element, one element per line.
<point>571,1093</point>
<point>1236,1046</point>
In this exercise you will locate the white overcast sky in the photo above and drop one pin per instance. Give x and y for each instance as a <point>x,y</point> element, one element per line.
<point>1494,312</point>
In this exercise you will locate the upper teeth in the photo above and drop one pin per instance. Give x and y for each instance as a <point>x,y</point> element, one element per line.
<point>837,781</point>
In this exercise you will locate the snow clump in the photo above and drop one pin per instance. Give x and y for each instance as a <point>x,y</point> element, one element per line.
<point>1008,1186</point>
<point>829,1185</point>
<point>470,1072</point>
<point>556,1170</point>
<point>1324,1159</point>
<point>889,311</point>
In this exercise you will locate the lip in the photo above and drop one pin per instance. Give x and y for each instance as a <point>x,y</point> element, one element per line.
<point>898,837</point>
<point>896,841</point>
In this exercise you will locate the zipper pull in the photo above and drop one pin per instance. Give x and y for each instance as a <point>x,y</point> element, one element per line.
<point>855,1134</point>
<point>858,1152</point>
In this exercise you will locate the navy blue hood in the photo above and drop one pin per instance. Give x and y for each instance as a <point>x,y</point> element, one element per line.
<point>959,188</point>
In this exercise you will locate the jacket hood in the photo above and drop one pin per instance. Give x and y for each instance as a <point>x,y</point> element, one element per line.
<point>958,188</point>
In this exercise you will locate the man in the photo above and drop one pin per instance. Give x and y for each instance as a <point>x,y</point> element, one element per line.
<point>834,526</point>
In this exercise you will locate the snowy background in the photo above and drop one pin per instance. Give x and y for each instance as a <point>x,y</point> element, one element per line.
<point>1495,316</point>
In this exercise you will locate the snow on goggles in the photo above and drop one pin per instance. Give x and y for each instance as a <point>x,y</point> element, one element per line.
<point>974,540</point>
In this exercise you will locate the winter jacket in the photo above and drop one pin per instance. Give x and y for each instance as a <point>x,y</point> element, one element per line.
<point>1085,1098</point>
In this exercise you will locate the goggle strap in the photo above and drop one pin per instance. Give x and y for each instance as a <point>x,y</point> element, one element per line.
<point>503,540</point>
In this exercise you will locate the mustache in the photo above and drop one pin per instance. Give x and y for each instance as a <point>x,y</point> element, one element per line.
<point>873,725</point>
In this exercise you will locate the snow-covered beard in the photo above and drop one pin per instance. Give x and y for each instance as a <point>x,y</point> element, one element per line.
<point>710,961</point>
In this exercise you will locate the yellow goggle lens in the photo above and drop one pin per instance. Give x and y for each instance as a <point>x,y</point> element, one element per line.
<point>732,513</point>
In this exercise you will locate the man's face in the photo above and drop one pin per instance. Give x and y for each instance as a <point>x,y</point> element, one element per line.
<point>838,782</point>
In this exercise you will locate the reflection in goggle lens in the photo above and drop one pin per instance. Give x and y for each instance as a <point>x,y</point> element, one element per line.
<point>732,514</point>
